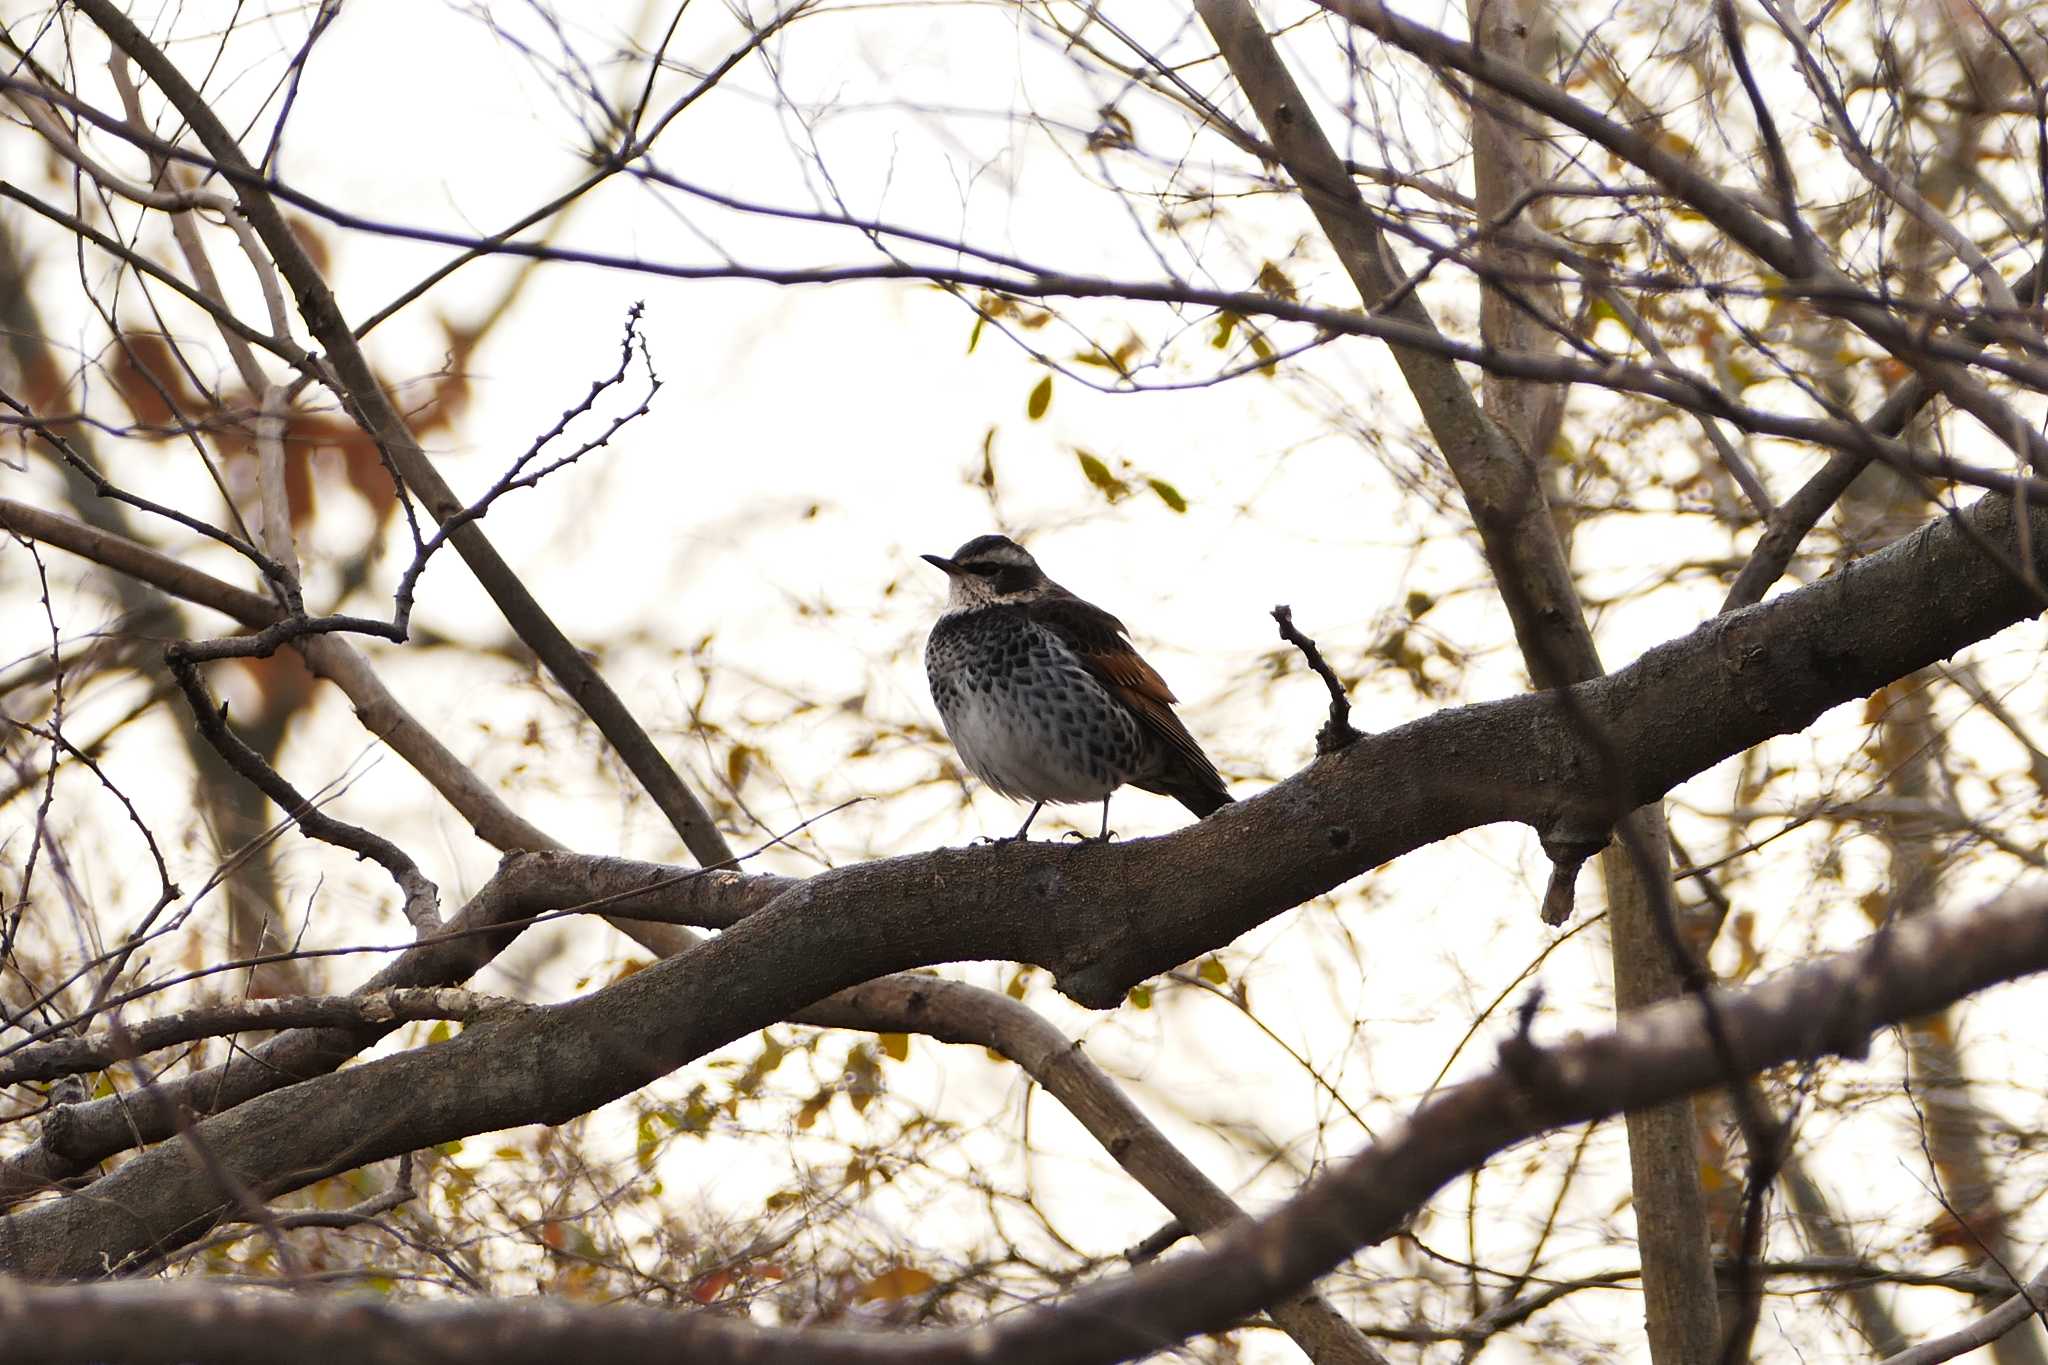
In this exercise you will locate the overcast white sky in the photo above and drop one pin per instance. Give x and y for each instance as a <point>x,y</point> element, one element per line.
<point>810,443</point>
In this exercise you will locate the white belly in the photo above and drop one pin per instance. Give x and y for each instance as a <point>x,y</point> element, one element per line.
<point>1026,762</point>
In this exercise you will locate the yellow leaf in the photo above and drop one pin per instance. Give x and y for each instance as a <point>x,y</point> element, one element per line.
<point>863,1078</point>
<point>695,1119</point>
<point>1098,474</point>
<point>896,1046</point>
<point>1040,400</point>
<point>899,1283</point>
<point>647,1142</point>
<point>1274,280</point>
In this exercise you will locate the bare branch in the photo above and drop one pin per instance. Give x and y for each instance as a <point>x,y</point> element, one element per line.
<point>1783,183</point>
<point>1337,731</point>
<point>2016,1310</point>
<point>1739,679</point>
<point>954,1012</point>
<point>372,406</point>
<point>42,1061</point>
<point>420,895</point>
<point>329,656</point>
<point>1816,280</point>
<point>1827,1006</point>
<point>523,475</point>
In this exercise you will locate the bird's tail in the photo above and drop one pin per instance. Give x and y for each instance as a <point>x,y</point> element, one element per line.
<point>1201,793</point>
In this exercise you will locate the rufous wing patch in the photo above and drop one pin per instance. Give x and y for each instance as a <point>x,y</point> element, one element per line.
<point>1099,639</point>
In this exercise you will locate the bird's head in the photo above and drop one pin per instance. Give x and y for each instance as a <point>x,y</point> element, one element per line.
<point>990,571</point>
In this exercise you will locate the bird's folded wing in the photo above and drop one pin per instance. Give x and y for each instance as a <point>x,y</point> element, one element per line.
<point>1098,639</point>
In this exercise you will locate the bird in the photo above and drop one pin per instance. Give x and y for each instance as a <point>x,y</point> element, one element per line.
<point>1043,696</point>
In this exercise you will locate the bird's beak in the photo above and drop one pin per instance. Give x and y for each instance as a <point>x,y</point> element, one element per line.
<point>940,562</point>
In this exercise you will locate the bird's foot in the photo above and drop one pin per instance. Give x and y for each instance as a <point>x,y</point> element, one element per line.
<point>1101,838</point>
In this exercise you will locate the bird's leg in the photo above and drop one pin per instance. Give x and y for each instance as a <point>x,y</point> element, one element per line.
<point>1105,836</point>
<point>1014,838</point>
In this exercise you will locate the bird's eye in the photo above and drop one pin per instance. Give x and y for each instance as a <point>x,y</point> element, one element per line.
<point>985,570</point>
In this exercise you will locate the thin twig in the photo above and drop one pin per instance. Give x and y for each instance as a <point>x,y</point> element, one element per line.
<point>419,893</point>
<point>1338,731</point>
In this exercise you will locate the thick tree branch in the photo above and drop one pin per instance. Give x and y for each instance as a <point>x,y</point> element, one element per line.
<point>76,1137</point>
<point>1100,917</point>
<point>1490,455</point>
<point>955,1012</point>
<point>916,1004</point>
<point>945,1010</point>
<point>1826,1007</point>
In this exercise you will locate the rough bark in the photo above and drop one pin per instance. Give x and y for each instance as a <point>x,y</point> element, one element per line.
<point>1490,454</point>
<point>1830,1005</point>
<point>1100,917</point>
<point>1680,1309</point>
<point>1680,1312</point>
